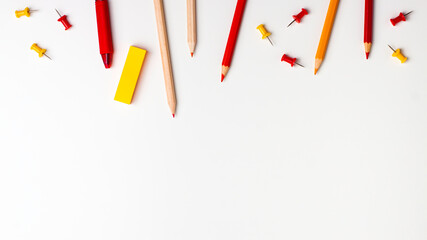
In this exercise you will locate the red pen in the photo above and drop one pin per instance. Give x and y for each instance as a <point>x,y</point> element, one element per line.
<point>104,32</point>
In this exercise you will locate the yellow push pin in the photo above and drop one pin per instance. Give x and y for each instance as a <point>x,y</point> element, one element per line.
<point>264,33</point>
<point>26,12</point>
<point>39,50</point>
<point>398,54</point>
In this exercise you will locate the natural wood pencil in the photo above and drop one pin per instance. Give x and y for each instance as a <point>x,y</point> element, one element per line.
<point>191,25</point>
<point>326,33</point>
<point>164,50</point>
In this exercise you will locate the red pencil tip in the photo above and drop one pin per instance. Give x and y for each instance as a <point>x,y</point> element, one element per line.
<point>222,77</point>
<point>367,55</point>
<point>106,58</point>
<point>192,54</point>
<point>173,115</point>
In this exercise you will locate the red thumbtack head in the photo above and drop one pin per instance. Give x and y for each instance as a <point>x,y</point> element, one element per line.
<point>299,16</point>
<point>64,20</point>
<point>292,61</point>
<point>400,18</point>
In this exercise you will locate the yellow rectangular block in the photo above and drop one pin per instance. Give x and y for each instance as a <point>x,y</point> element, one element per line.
<point>130,75</point>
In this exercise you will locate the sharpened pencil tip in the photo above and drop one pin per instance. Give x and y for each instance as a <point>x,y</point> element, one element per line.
<point>315,71</point>
<point>367,55</point>
<point>173,115</point>
<point>222,77</point>
<point>192,54</point>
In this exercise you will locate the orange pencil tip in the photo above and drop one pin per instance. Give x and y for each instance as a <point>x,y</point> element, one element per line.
<point>192,54</point>
<point>367,55</point>
<point>222,77</point>
<point>315,71</point>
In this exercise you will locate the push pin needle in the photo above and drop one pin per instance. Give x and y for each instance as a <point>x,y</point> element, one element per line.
<point>270,41</point>
<point>407,13</point>
<point>47,56</point>
<point>58,12</point>
<point>391,48</point>
<point>299,64</point>
<point>292,22</point>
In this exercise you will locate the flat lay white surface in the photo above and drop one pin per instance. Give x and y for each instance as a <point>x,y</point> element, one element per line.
<point>271,153</point>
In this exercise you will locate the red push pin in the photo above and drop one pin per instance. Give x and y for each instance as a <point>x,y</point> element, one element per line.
<point>299,16</point>
<point>63,20</point>
<point>292,61</point>
<point>400,18</point>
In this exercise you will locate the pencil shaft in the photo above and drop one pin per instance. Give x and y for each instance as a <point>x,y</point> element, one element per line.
<point>191,25</point>
<point>165,54</point>
<point>368,20</point>
<point>326,33</point>
<point>232,38</point>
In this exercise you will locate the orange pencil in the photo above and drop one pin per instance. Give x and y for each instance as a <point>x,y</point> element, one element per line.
<point>326,34</point>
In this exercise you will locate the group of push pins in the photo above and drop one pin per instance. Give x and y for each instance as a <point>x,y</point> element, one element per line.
<point>394,21</point>
<point>400,18</point>
<point>298,17</point>
<point>266,35</point>
<point>27,12</point>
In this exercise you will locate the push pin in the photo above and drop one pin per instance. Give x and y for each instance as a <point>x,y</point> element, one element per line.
<point>398,54</point>
<point>39,50</point>
<point>26,12</point>
<point>299,16</point>
<point>264,33</point>
<point>292,61</point>
<point>400,18</point>
<point>63,20</point>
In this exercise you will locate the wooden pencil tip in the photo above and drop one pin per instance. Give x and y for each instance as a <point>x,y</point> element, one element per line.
<point>192,54</point>
<point>367,55</point>
<point>222,77</point>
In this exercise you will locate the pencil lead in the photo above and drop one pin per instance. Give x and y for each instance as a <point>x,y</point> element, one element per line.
<point>367,55</point>
<point>315,71</point>
<point>192,54</point>
<point>222,77</point>
<point>173,115</point>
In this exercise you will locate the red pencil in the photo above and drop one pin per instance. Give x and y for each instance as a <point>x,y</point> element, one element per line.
<point>104,32</point>
<point>232,38</point>
<point>368,26</point>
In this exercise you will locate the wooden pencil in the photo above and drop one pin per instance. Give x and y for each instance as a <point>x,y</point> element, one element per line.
<point>232,37</point>
<point>191,25</point>
<point>326,34</point>
<point>165,54</point>
<point>369,4</point>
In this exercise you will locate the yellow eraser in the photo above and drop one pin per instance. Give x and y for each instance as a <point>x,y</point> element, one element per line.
<point>130,75</point>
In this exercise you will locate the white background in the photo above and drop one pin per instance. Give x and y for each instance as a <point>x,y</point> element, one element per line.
<point>272,153</point>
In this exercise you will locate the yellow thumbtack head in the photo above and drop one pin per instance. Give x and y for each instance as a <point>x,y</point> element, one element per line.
<point>25,12</point>
<point>39,50</point>
<point>264,33</point>
<point>398,54</point>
